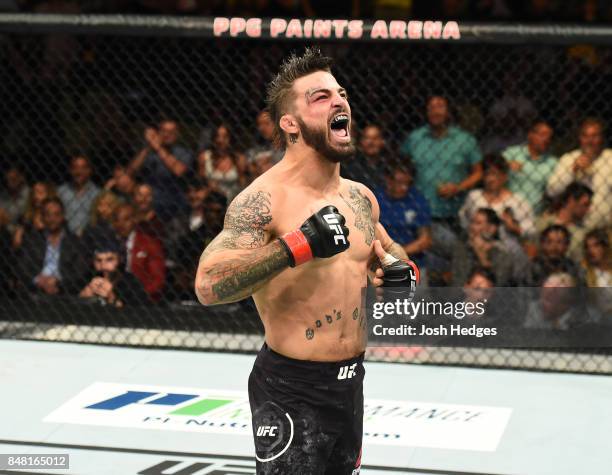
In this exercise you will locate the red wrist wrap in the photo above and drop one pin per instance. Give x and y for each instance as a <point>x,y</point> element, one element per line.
<point>417,272</point>
<point>299,247</point>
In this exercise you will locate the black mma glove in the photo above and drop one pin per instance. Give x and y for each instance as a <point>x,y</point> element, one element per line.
<point>399,273</point>
<point>322,235</point>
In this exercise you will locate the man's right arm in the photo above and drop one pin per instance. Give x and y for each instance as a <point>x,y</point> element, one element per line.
<point>240,260</point>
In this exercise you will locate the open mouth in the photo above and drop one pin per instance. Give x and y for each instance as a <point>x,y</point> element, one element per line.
<point>340,127</point>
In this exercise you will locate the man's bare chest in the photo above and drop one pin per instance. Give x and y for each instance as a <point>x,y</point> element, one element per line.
<point>350,202</point>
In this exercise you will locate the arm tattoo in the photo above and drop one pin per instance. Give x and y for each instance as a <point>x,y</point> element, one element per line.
<point>245,222</point>
<point>361,206</point>
<point>252,263</point>
<point>238,277</point>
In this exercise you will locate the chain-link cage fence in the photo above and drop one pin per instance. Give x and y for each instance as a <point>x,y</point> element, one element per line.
<point>122,147</point>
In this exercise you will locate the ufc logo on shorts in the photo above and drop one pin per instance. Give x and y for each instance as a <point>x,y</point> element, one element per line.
<point>263,431</point>
<point>347,372</point>
<point>334,225</point>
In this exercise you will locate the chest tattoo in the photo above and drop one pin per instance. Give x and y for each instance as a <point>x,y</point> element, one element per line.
<point>362,209</point>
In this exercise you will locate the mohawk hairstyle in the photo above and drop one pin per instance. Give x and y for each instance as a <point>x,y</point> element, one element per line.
<point>280,93</point>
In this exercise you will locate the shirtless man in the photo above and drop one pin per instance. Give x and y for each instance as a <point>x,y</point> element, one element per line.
<point>286,242</point>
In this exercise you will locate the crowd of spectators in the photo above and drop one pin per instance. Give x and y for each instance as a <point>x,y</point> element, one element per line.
<point>466,10</point>
<point>518,217</point>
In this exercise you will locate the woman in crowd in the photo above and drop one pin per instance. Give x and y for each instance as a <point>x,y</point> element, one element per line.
<point>514,211</point>
<point>32,217</point>
<point>222,165</point>
<point>100,228</point>
<point>597,264</point>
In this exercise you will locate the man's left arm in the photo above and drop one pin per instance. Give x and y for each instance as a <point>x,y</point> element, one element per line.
<point>386,253</point>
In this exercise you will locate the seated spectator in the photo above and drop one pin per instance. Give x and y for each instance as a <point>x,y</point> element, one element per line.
<point>147,219</point>
<point>482,249</point>
<point>263,155</point>
<point>447,161</point>
<point>32,218</point>
<point>193,243</point>
<point>513,210</point>
<point>100,227</point>
<point>144,254</point>
<point>404,212</point>
<point>7,262</point>
<point>555,309</point>
<point>531,165</point>
<point>161,164</point>
<point>597,264</point>
<point>369,165</point>
<point>591,165</point>
<point>479,289</point>
<point>122,184</point>
<point>479,285</point>
<point>222,165</point>
<point>51,261</point>
<point>573,206</point>
<point>552,257</point>
<point>14,198</point>
<point>79,195</point>
<point>111,285</point>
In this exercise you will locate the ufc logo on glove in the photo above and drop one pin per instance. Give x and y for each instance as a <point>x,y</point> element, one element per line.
<point>334,225</point>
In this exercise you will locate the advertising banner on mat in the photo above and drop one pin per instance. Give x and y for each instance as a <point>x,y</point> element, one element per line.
<point>203,410</point>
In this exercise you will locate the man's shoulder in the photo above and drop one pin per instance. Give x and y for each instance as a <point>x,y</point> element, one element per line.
<point>357,187</point>
<point>64,189</point>
<point>144,239</point>
<point>179,147</point>
<point>514,151</point>
<point>415,196</point>
<point>606,155</point>
<point>181,152</point>
<point>519,200</point>
<point>254,206</point>
<point>33,237</point>
<point>474,195</point>
<point>264,187</point>
<point>419,132</point>
<point>71,242</point>
<point>568,158</point>
<point>458,132</point>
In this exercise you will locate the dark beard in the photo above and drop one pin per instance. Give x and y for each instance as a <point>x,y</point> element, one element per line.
<point>317,139</point>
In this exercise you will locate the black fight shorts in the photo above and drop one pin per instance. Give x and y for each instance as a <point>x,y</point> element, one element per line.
<point>307,415</point>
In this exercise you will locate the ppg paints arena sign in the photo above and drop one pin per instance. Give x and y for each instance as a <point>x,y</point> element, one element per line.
<point>335,29</point>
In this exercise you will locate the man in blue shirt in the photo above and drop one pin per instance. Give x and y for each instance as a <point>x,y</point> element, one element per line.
<point>448,164</point>
<point>531,165</point>
<point>404,212</point>
<point>161,164</point>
